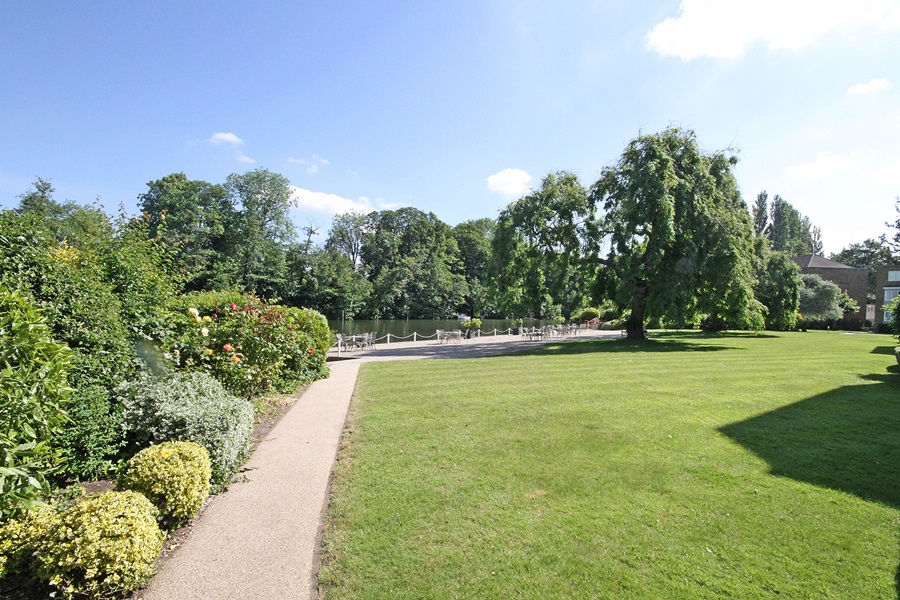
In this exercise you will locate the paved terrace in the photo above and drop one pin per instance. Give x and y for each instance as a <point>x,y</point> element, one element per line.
<point>261,538</point>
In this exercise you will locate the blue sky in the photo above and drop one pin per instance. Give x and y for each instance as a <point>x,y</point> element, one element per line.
<point>451,107</point>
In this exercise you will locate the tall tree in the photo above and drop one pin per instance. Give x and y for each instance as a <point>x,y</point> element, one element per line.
<point>819,299</point>
<point>197,219</point>
<point>473,238</point>
<point>761,213</point>
<point>347,233</point>
<point>791,232</point>
<point>778,289</point>
<point>264,229</point>
<point>895,239</point>
<point>543,248</point>
<point>412,261</point>
<point>679,235</point>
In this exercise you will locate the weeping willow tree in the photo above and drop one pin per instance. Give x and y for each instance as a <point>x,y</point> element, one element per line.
<point>678,237</point>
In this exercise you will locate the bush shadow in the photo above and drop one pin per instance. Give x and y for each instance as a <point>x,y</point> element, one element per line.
<point>845,439</point>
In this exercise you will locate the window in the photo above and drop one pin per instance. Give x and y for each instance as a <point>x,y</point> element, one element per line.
<point>890,294</point>
<point>893,275</point>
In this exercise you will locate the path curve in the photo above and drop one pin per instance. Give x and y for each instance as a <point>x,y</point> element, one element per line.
<point>261,538</point>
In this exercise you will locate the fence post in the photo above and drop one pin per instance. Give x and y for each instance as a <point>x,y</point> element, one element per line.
<point>389,338</point>
<point>414,336</point>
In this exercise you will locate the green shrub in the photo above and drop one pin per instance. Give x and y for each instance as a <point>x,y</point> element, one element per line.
<point>95,435</point>
<point>893,325</point>
<point>470,325</point>
<point>174,476</point>
<point>33,390</point>
<point>20,540</point>
<point>106,544</point>
<point>139,270</point>
<point>190,407</point>
<point>589,314</point>
<point>69,285</point>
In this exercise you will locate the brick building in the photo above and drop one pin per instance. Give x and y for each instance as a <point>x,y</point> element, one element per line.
<point>887,287</point>
<point>853,281</point>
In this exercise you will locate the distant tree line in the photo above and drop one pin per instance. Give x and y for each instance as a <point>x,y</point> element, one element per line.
<point>662,236</point>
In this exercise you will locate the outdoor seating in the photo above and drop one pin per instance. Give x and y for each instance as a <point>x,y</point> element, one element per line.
<point>448,336</point>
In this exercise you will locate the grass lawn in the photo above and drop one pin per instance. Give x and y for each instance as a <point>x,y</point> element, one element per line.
<point>690,466</point>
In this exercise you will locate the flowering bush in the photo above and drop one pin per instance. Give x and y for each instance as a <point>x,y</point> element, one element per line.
<point>249,345</point>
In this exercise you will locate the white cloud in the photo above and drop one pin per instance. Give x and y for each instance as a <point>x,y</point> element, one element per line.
<point>719,29</point>
<point>513,182</point>
<point>226,138</point>
<point>312,164</point>
<point>244,158</point>
<point>333,204</point>
<point>875,85</point>
<point>823,165</point>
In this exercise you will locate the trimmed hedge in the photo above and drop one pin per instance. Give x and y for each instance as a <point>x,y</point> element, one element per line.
<point>106,544</point>
<point>173,475</point>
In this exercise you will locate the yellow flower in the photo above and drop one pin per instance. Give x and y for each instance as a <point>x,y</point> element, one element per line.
<point>207,318</point>
<point>198,320</point>
<point>208,351</point>
<point>193,312</point>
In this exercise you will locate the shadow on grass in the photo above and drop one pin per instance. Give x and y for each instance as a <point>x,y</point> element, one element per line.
<point>888,350</point>
<point>845,439</point>
<point>654,344</point>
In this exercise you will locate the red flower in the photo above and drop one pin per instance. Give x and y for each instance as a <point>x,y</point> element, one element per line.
<point>233,306</point>
<point>228,348</point>
<point>310,351</point>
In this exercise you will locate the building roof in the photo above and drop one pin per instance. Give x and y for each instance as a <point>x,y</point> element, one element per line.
<point>815,261</point>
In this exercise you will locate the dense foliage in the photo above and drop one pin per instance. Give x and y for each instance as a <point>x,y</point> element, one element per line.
<point>33,394</point>
<point>111,289</point>
<point>544,249</point>
<point>819,299</point>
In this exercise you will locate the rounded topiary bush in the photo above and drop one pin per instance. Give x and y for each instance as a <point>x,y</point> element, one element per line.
<point>173,475</point>
<point>588,314</point>
<point>191,407</point>
<point>105,544</point>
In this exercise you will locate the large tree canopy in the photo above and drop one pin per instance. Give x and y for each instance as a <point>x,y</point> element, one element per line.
<point>197,219</point>
<point>543,248</point>
<point>413,263</point>
<point>264,229</point>
<point>473,238</point>
<point>679,235</point>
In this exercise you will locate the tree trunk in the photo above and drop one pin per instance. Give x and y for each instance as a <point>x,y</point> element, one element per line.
<point>634,326</point>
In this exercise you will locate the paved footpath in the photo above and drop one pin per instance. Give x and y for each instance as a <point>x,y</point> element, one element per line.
<point>261,538</point>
